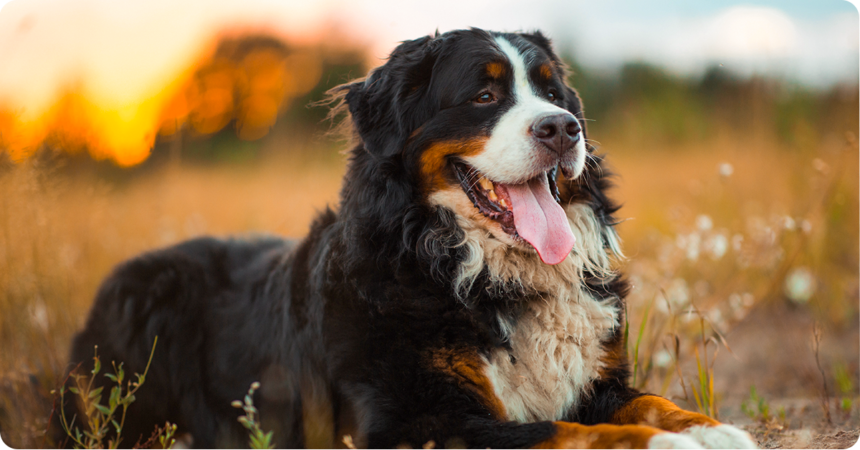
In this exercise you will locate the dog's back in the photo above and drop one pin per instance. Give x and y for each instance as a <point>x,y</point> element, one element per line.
<point>197,298</point>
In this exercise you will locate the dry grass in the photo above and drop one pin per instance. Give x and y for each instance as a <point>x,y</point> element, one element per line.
<point>708,249</point>
<point>61,233</point>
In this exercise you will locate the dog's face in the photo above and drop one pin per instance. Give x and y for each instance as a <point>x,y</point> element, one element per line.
<point>485,126</point>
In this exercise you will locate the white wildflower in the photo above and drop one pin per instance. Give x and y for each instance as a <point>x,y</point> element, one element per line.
<point>799,285</point>
<point>737,242</point>
<point>704,222</point>
<point>39,314</point>
<point>678,293</point>
<point>717,246</point>
<point>662,358</point>
<point>690,244</point>
<point>820,165</point>
<point>715,316</point>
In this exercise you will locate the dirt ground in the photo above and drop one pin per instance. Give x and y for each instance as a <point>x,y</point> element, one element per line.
<point>787,382</point>
<point>806,439</point>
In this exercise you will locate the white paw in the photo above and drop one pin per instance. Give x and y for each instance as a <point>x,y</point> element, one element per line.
<point>720,436</point>
<point>672,440</point>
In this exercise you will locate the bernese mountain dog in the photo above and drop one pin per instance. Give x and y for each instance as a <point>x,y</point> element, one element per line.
<point>462,293</point>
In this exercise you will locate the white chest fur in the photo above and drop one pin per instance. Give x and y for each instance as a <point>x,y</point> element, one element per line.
<point>556,343</point>
<point>556,349</point>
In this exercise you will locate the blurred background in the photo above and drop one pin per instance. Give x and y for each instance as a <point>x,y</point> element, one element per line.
<point>732,126</point>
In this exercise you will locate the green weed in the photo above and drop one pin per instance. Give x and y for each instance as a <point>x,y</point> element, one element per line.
<point>756,407</point>
<point>104,420</point>
<point>703,391</point>
<point>845,384</point>
<point>639,341</point>
<point>258,438</point>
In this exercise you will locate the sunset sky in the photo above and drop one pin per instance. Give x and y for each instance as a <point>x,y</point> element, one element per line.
<point>121,54</point>
<point>124,46</point>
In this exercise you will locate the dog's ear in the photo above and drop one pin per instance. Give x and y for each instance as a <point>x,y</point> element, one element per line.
<point>537,38</point>
<point>386,106</point>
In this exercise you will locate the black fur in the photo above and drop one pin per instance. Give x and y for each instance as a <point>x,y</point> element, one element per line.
<point>336,327</point>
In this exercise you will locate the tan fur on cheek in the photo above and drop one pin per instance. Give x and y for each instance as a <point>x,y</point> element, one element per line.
<point>435,158</point>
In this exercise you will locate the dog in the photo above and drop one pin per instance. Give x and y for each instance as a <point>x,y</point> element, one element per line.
<point>462,293</point>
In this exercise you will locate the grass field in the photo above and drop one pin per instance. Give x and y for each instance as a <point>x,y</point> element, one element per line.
<point>721,234</point>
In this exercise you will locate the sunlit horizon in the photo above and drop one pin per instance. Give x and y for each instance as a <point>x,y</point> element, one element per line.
<point>110,77</point>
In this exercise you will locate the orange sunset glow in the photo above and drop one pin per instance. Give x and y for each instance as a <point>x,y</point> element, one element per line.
<point>109,78</point>
<point>247,80</point>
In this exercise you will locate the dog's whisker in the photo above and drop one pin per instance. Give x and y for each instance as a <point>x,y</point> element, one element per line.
<point>595,162</point>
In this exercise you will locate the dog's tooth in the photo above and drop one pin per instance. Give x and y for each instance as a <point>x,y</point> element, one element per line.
<point>503,203</point>
<point>486,184</point>
<point>492,196</point>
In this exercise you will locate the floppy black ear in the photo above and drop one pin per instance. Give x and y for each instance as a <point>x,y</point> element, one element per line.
<point>386,106</point>
<point>537,38</point>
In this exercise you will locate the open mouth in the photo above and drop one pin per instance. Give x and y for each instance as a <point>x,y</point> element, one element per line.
<point>529,211</point>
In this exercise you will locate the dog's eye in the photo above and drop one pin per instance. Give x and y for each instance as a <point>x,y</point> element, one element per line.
<point>552,95</point>
<point>485,97</point>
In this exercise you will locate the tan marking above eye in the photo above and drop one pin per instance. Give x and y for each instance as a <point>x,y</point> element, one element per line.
<point>545,71</point>
<point>435,157</point>
<point>495,69</point>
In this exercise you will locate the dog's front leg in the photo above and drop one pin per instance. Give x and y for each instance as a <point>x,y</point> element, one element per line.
<point>654,411</point>
<point>574,435</point>
<point>488,433</point>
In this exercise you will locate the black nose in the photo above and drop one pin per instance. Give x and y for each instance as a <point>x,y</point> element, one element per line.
<point>559,132</point>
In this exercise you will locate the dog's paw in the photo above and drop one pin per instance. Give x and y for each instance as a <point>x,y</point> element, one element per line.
<point>720,436</point>
<point>672,440</point>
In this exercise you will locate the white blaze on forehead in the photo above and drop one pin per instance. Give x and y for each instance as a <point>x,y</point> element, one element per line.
<point>519,62</point>
<point>509,155</point>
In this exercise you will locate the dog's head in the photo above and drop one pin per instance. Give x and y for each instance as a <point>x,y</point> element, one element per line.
<point>483,124</point>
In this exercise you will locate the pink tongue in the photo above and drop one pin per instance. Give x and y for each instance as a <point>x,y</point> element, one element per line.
<point>540,220</point>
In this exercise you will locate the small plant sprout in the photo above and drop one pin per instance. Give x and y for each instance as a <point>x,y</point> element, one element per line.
<point>756,407</point>
<point>258,439</point>
<point>782,415</point>
<point>636,368</point>
<point>825,393</point>
<point>347,441</point>
<point>163,435</point>
<point>166,438</point>
<point>703,391</point>
<point>102,420</point>
<point>845,384</point>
